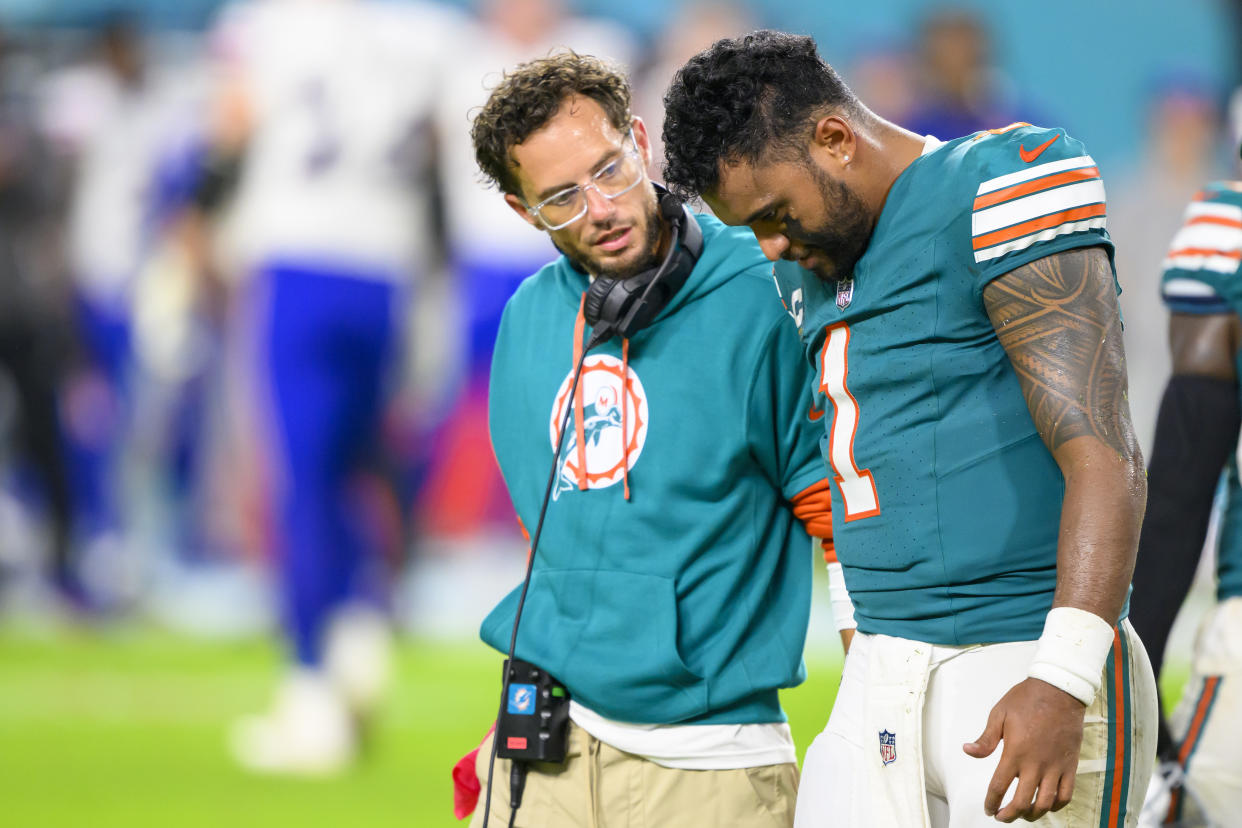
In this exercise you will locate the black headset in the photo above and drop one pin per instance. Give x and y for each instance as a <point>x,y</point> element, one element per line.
<point>623,307</point>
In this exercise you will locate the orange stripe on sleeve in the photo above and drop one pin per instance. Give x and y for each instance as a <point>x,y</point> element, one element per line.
<point>1017,231</point>
<point>1206,251</point>
<point>1221,220</point>
<point>1028,187</point>
<point>1008,128</point>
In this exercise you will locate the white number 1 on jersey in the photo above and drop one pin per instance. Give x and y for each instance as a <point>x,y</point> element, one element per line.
<point>857,488</point>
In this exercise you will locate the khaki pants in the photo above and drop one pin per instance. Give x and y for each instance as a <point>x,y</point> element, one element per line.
<point>599,786</point>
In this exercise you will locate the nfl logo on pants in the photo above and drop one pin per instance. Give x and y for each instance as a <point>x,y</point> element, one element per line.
<point>888,747</point>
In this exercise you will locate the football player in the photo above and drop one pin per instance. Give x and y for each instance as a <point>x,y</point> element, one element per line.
<point>1197,436</point>
<point>958,302</point>
<point>320,129</point>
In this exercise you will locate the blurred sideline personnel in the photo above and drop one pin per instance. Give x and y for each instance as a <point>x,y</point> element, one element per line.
<point>120,120</point>
<point>321,125</point>
<point>32,323</point>
<point>959,302</point>
<point>960,89</point>
<point>1197,436</point>
<point>671,585</point>
<point>1147,201</point>
<point>107,241</point>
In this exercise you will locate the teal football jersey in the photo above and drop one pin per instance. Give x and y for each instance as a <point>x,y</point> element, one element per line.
<point>947,503</point>
<point>1203,274</point>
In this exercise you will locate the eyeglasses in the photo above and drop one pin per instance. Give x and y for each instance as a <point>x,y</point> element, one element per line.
<point>615,178</point>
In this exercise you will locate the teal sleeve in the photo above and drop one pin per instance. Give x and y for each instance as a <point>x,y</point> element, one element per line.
<point>1037,192</point>
<point>779,430</point>
<point>1202,270</point>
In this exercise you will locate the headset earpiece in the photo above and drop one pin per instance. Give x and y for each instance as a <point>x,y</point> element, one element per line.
<point>596,296</point>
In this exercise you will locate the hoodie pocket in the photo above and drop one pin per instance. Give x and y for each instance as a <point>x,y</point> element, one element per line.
<point>611,638</point>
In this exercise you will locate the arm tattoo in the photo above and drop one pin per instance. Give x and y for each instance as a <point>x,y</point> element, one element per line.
<point>1058,320</point>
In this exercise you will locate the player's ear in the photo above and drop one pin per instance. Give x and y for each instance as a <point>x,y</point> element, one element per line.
<point>641,139</point>
<point>518,207</point>
<point>834,138</point>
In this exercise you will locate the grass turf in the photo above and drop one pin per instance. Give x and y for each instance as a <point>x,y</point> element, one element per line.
<point>128,728</point>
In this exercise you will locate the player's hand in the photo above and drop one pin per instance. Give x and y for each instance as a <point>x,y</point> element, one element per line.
<point>847,638</point>
<point>1041,727</point>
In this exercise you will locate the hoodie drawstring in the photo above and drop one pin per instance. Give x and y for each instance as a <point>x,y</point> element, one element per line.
<point>625,399</point>
<point>579,416</point>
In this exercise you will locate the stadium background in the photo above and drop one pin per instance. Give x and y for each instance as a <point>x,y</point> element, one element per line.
<point>115,712</point>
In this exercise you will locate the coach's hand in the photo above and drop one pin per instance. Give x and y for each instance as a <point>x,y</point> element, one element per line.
<point>1041,727</point>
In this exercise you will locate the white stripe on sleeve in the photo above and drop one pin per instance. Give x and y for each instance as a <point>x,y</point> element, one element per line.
<point>1024,242</point>
<point>1038,171</point>
<point>1035,205</point>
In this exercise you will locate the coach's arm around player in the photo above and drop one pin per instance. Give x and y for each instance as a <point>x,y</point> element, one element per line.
<point>1059,322</point>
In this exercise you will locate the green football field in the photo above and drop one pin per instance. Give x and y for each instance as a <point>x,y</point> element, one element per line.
<point>128,728</point>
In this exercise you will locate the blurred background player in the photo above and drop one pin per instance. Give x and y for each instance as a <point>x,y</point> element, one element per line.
<point>1177,155</point>
<point>34,334</point>
<point>322,129</point>
<point>1200,778</point>
<point>959,87</point>
<point>114,121</point>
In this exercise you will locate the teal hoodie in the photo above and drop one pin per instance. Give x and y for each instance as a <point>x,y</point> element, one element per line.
<point>687,600</point>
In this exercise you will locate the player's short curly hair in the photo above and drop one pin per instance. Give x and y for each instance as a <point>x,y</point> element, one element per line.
<point>530,95</point>
<point>746,98</point>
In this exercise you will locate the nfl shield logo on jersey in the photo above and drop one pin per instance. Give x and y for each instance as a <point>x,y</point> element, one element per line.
<point>888,747</point>
<point>845,293</point>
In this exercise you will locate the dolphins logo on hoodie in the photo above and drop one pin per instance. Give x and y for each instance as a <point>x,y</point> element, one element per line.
<point>613,426</point>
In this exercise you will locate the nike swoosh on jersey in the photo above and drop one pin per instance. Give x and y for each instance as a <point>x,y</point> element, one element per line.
<point>1039,203</point>
<point>1028,157</point>
<point>815,414</point>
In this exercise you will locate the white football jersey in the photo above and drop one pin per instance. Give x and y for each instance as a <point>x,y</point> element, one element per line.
<point>341,96</point>
<point>118,136</point>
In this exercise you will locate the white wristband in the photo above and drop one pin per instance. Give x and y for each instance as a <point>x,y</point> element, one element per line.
<point>839,599</point>
<point>1072,651</point>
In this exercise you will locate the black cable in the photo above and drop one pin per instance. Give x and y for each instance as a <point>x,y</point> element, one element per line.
<point>517,784</point>
<point>598,335</point>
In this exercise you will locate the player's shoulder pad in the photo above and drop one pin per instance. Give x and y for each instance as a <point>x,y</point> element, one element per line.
<point>1206,252</point>
<point>1021,146</point>
<point>1028,184</point>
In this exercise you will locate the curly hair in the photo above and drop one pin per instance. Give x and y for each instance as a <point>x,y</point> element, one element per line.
<point>746,98</point>
<point>530,95</point>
